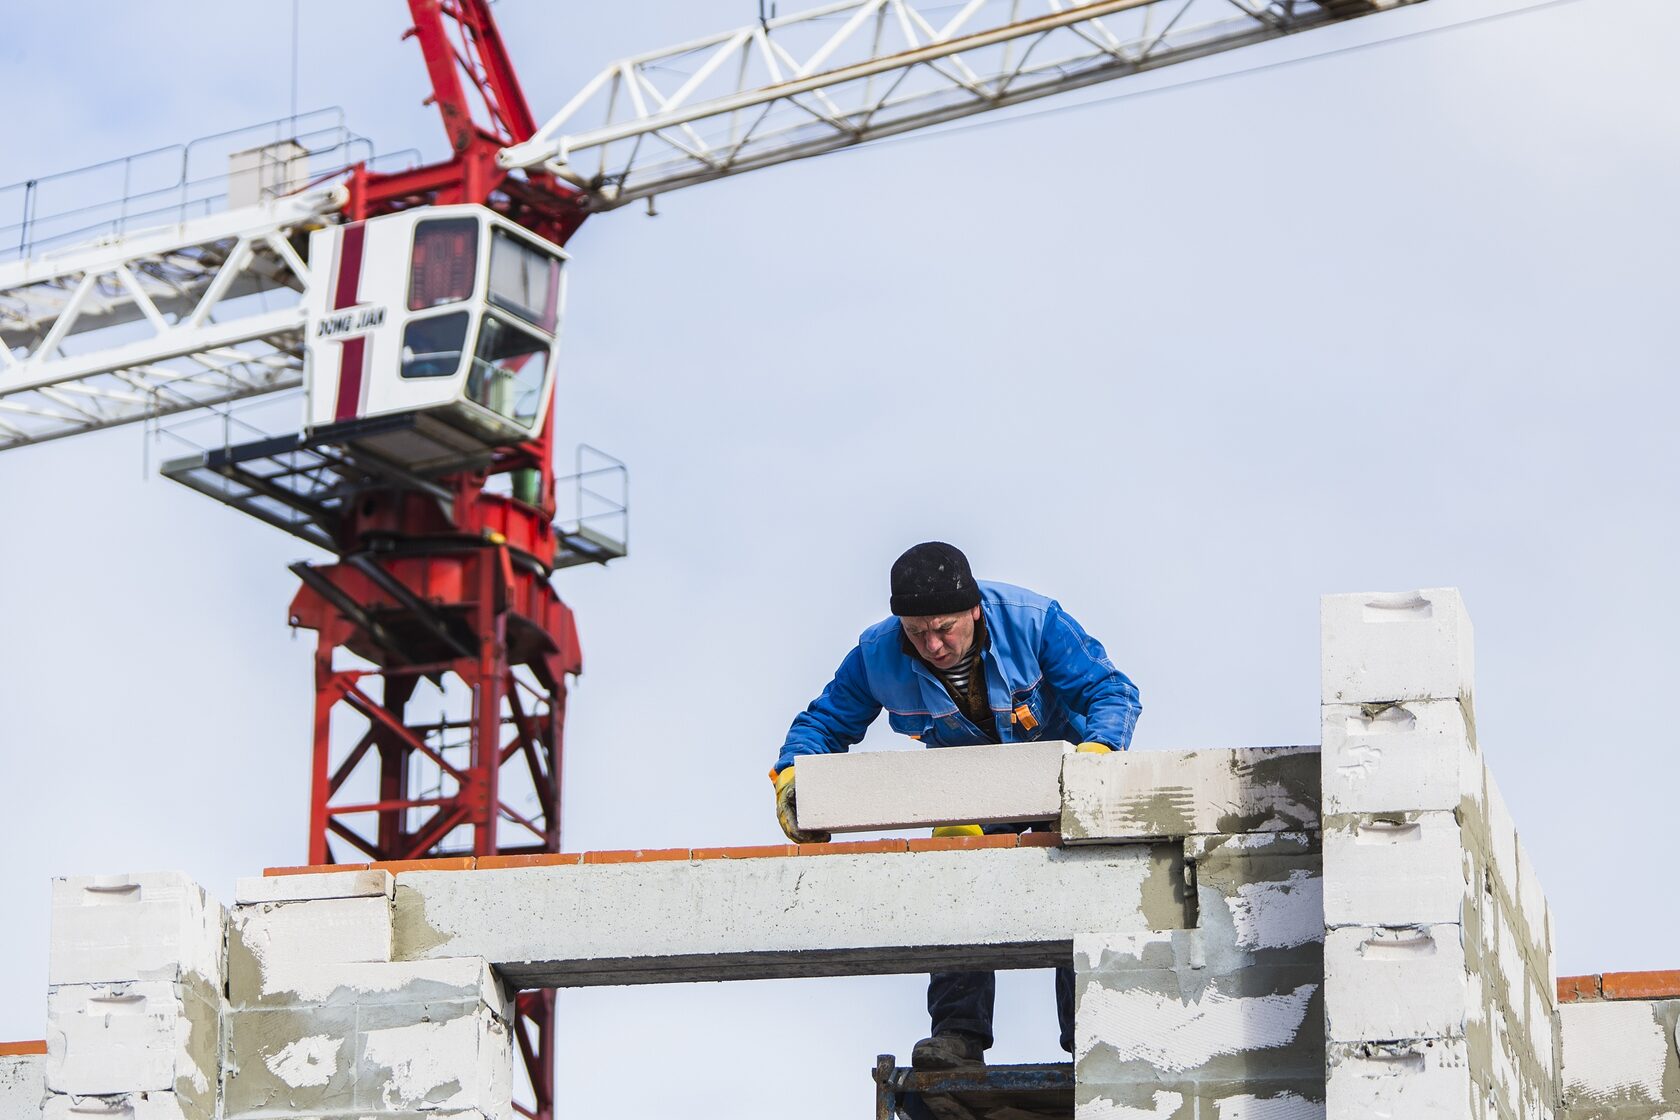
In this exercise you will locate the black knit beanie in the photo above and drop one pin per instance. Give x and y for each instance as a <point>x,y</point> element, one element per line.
<point>933,578</point>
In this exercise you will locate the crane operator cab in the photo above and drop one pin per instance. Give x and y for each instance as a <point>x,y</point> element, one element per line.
<point>431,340</point>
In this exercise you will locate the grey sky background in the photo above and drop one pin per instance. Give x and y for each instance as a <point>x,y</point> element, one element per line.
<point>1395,318</point>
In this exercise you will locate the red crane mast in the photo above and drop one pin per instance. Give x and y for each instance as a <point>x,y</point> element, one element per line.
<point>452,592</point>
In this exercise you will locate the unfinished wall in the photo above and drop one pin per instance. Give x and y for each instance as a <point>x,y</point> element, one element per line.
<point>1621,1049</point>
<point>1439,990</point>
<point>1222,1021</point>
<point>325,1021</point>
<point>135,1013</point>
<point>1258,934</point>
<point>22,1081</point>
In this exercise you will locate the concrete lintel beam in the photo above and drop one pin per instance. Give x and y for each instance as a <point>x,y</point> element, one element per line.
<point>678,921</point>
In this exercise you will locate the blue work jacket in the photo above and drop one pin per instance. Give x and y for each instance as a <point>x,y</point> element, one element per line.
<point>1045,677</point>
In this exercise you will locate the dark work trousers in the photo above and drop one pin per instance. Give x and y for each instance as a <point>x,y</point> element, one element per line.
<point>962,1001</point>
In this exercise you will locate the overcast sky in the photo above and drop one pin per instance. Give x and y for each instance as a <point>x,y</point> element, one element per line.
<point>1391,319</point>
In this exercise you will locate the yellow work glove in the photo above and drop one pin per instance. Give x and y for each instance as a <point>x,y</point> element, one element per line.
<point>787,810</point>
<point>1092,748</point>
<point>945,830</point>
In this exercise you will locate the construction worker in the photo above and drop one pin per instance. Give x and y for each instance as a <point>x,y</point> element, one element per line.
<point>959,663</point>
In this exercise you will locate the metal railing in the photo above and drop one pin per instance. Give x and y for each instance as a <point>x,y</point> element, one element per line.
<point>600,509</point>
<point>166,186</point>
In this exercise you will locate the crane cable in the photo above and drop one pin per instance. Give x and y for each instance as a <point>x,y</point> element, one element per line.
<point>1208,79</point>
<point>295,4</point>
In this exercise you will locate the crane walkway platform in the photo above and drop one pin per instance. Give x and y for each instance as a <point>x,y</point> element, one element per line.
<point>1027,1092</point>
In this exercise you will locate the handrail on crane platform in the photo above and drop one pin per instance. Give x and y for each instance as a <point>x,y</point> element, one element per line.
<point>168,185</point>
<point>599,528</point>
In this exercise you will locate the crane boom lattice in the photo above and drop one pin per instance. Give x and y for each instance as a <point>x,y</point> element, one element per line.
<point>833,77</point>
<point>198,314</point>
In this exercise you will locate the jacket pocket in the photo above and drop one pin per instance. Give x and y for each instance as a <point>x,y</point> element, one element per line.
<point>1027,715</point>
<point>914,724</point>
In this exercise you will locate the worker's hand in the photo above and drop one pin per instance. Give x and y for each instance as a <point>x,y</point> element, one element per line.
<point>1092,748</point>
<point>945,830</point>
<point>787,810</point>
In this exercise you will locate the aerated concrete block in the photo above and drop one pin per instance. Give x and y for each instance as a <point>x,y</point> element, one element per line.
<point>1620,1060</point>
<point>1222,1020</point>
<point>112,929</point>
<point>1531,898</point>
<point>1415,756</point>
<point>380,1039</point>
<point>275,948</point>
<point>1383,648</point>
<point>1402,1079</point>
<point>811,915</point>
<point>987,784</point>
<point>1153,794</point>
<point>1394,869</point>
<point>130,1106</point>
<point>21,1086</point>
<point>304,888</point>
<point>147,1036</point>
<point>1151,1016</point>
<point>1501,838</point>
<point>1384,983</point>
<point>1257,895</point>
<point>1224,1103</point>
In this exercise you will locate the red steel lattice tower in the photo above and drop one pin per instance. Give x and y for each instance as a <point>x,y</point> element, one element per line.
<point>449,600</point>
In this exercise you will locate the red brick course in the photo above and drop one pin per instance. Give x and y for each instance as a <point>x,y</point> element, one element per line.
<point>1620,985</point>
<point>1641,985</point>
<point>530,859</point>
<point>755,851</point>
<point>654,855</point>
<point>1574,989</point>
<point>13,1049</point>
<point>447,863</point>
<point>854,848</point>
<point>636,855</point>
<point>314,869</point>
<point>962,843</point>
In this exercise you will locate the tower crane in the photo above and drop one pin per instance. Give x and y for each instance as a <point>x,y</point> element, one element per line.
<point>418,312</point>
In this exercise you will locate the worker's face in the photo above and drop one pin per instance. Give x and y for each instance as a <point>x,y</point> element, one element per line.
<point>942,639</point>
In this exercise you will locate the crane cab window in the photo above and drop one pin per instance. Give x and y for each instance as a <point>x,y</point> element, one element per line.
<point>509,371</point>
<point>431,347</point>
<point>524,280</point>
<point>445,264</point>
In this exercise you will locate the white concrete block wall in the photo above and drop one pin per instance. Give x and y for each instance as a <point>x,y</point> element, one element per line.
<point>1403,1079</point>
<point>305,888</point>
<point>1151,794</point>
<point>113,928</point>
<point>323,1021</point>
<point>1418,756</point>
<point>1392,983</point>
<point>1390,647</point>
<point>131,1106</point>
<point>280,947</point>
<point>376,1039</point>
<point>986,784</point>
<point>1223,1020</point>
<point>1398,869</point>
<point>21,1086</point>
<point>1438,951</point>
<point>146,1036</point>
<point>137,965</point>
<point>1621,1059</point>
